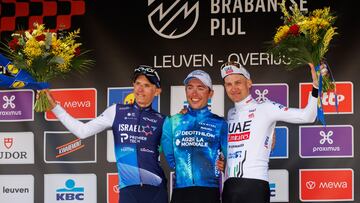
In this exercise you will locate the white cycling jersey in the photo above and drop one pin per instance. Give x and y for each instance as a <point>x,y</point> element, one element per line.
<point>251,125</point>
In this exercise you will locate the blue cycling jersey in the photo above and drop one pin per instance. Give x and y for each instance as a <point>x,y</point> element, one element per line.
<point>191,143</point>
<point>137,133</point>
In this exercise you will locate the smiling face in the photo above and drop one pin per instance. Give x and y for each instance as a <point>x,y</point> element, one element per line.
<point>197,94</point>
<point>237,87</point>
<point>144,91</point>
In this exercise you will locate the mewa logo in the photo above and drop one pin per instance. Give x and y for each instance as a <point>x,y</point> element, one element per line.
<point>326,184</point>
<point>173,20</point>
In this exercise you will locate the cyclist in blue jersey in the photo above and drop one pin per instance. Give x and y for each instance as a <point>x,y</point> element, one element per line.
<point>192,143</point>
<point>137,129</point>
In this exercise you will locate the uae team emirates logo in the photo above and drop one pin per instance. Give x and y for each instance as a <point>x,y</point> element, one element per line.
<point>173,19</point>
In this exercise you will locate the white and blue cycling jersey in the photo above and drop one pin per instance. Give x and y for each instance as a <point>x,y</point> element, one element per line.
<point>137,133</point>
<point>192,143</point>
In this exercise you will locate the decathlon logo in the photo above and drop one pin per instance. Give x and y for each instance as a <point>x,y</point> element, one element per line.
<point>326,137</point>
<point>175,21</point>
<point>261,95</point>
<point>9,102</point>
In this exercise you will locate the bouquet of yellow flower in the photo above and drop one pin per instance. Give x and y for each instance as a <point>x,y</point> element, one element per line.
<point>304,39</point>
<point>44,55</point>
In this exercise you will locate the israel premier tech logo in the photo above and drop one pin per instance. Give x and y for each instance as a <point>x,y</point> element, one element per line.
<point>343,96</point>
<point>173,19</point>
<point>70,188</point>
<point>125,95</point>
<point>277,92</point>
<point>332,141</point>
<point>326,185</point>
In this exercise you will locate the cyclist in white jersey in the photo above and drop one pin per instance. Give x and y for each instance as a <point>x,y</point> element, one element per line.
<point>250,128</point>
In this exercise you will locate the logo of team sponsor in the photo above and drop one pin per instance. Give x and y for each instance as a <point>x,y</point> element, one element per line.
<point>326,142</point>
<point>237,137</point>
<point>16,148</point>
<point>343,96</point>
<point>17,188</point>
<point>281,149</point>
<point>239,131</point>
<point>191,142</point>
<point>326,184</point>
<point>78,102</point>
<point>173,19</point>
<point>234,155</point>
<point>178,100</point>
<point>113,188</point>
<point>16,105</point>
<point>70,188</point>
<point>279,185</point>
<point>125,95</point>
<point>68,148</point>
<point>147,129</point>
<point>277,92</point>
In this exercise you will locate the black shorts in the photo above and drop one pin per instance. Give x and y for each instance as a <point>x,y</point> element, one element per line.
<point>246,190</point>
<point>196,195</point>
<point>144,194</point>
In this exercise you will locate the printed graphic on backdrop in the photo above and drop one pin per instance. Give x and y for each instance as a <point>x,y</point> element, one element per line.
<point>326,185</point>
<point>74,188</point>
<point>178,100</point>
<point>16,105</point>
<point>113,188</point>
<point>173,19</point>
<point>64,147</point>
<point>344,95</point>
<point>332,141</point>
<point>16,148</point>
<point>277,92</point>
<point>17,188</point>
<point>281,149</point>
<point>24,14</point>
<point>81,103</point>
<point>124,95</point>
<point>279,185</point>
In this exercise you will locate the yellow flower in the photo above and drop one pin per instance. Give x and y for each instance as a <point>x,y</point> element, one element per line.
<point>32,48</point>
<point>281,33</point>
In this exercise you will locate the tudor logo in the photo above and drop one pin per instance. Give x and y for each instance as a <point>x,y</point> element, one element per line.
<point>175,20</point>
<point>8,142</point>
